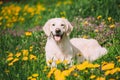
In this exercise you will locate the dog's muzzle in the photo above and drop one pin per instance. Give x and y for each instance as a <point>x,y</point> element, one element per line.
<point>58,35</point>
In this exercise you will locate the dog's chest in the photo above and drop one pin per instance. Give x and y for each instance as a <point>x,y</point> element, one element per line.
<point>63,54</point>
<point>61,50</point>
<point>66,49</point>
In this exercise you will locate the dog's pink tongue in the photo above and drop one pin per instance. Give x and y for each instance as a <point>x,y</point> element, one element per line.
<point>57,38</point>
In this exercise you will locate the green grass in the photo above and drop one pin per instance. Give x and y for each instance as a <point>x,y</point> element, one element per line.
<point>14,40</point>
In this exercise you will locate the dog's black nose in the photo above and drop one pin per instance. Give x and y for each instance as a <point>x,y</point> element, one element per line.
<point>57,30</point>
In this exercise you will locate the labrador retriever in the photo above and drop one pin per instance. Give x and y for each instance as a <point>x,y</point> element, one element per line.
<point>60,47</point>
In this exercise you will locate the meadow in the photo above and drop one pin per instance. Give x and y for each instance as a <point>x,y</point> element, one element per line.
<point>22,39</point>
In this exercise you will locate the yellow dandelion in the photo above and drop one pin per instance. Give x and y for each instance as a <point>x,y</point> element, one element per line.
<point>9,12</point>
<point>9,58</point>
<point>17,9</point>
<point>10,54</point>
<point>15,60</point>
<point>18,54</point>
<point>28,33</point>
<point>35,75</point>
<point>104,63</point>
<point>50,61</point>
<point>9,25</point>
<point>100,78</point>
<point>67,2</point>
<point>6,17</point>
<point>85,23</point>
<point>30,10</point>
<point>14,19</point>
<point>85,37</point>
<point>45,68</point>
<point>25,7</point>
<point>58,3</point>
<point>25,52</point>
<point>21,19</point>
<point>75,74</point>
<point>25,58</point>
<point>109,18</point>
<point>1,18</point>
<point>107,72</point>
<point>63,17</point>
<point>118,57</point>
<point>16,14</point>
<point>51,72</point>
<point>63,13</point>
<point>96,30</point>
<point>72,68</point>
<point>40,78</point>
<point>39,8</point>
<point>32,57</point>
<point>33,79</point>
<point>10,64</point>
<point>96,65</point>
<point>86,71</point>
<point>61,77</point>
<point>99,17</point>
<point>92,76</point>
<point>112,71</point>
<point>58,61</point>
<point>65,73</point>
<point>108,66</point>
<point>118,60</point>
<point>65,61</point>
<point>93,65</point>
<point>29,78</point>
<point>112,26</point>
<point>58,75</point>
<point>83,65</point>
<point>31,48</point>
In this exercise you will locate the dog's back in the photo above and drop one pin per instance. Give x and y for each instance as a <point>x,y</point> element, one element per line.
<point>90,48</point>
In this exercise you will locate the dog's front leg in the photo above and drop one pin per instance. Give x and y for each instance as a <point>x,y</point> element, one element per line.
<point>50,60</point>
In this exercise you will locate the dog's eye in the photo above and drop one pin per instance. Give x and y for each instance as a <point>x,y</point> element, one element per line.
<point>62,25</point>
<point>53,24</point>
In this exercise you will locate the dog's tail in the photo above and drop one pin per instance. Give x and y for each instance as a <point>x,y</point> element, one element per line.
<point>103,51</point>
<point>98,52</point>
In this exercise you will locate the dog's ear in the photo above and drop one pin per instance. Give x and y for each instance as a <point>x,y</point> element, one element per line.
<point>69,27</point>
<point>46,28</point>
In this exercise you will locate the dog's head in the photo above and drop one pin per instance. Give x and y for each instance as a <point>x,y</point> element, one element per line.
<point>57,27</point>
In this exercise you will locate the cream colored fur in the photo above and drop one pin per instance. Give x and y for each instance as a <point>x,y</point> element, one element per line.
<point>67,49</point>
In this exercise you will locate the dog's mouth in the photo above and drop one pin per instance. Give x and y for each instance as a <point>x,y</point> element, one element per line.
<point>57,37</point>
